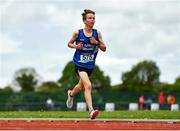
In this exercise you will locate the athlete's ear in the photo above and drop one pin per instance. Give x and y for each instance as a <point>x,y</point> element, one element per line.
<point>84,21</point>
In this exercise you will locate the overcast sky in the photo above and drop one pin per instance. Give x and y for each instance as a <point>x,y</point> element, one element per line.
<point>34,33</point>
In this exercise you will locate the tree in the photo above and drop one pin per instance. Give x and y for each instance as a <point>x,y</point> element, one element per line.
<point>177,82</point>
<point>176,86</point>
<point>7,89</point>
<point>69,78</point>
<point>49,86</point>
<point>143,77</point>
<point>27,79</point>
<point>99,80</point>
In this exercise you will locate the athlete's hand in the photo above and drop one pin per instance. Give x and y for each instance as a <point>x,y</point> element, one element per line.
<point>79,46</point>
<point>94,41</point>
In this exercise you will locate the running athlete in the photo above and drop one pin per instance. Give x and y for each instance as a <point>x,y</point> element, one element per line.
<point>87,42</point>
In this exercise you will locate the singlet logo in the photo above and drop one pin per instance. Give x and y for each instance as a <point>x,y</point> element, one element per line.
<point>81,40</point>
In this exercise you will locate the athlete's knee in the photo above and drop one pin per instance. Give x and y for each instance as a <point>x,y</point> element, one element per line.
<point>87,86</point>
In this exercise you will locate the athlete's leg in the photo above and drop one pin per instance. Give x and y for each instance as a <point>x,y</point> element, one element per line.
<point>77,88</point>
<point>72,93</point>
<point>87,89</point>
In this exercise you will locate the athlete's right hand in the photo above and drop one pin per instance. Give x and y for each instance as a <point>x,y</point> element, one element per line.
<point>79,46</point>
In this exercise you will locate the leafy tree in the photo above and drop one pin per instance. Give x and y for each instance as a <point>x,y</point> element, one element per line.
<point>27,79</point>
<point>143,77</point>
<point>7,89</point>
<point>69,78</point>
<point>99,80</point>
<point>177,82</point>
<point>176,86</point>
<point>50,87</point>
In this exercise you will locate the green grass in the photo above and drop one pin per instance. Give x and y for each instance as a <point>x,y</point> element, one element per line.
<point>74,114</point>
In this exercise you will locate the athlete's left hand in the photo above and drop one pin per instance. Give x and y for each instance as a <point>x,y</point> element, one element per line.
<point>93,41</point>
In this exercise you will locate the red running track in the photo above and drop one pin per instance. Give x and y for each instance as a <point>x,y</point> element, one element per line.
<point>85,125</point>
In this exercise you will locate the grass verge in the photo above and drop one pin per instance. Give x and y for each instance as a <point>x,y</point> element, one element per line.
<point>74,114</point>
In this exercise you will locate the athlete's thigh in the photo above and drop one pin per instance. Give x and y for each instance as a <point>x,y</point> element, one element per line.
<point>84,77</point>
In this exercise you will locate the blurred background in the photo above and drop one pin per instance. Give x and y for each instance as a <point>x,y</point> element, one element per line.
<point>142,58</point>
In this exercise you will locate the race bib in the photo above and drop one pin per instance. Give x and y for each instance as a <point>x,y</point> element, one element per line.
<point>86,58</point>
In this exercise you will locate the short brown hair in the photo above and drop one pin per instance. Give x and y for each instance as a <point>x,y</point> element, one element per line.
<point>87,11</point>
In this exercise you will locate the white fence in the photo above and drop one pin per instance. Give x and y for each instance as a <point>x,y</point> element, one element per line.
<point>110,107</point>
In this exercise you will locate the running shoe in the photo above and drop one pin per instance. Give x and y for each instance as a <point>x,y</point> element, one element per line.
<point>69,102</point>
<point>94,114</point>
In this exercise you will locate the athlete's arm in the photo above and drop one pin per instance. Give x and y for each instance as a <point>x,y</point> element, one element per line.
<point>73,39</point>
<point>102,45</point>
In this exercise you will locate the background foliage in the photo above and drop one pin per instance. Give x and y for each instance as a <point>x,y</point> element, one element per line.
<point>142,79</point>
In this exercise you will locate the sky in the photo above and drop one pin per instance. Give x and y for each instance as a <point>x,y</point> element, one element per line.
<point>34,33</point>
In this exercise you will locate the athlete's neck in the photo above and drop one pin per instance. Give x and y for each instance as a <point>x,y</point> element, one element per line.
<point>88,29</point>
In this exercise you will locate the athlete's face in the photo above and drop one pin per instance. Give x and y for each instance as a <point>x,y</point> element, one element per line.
<point>90,20</point>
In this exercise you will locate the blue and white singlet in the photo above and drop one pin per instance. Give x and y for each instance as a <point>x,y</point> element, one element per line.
<point>86,57</point>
